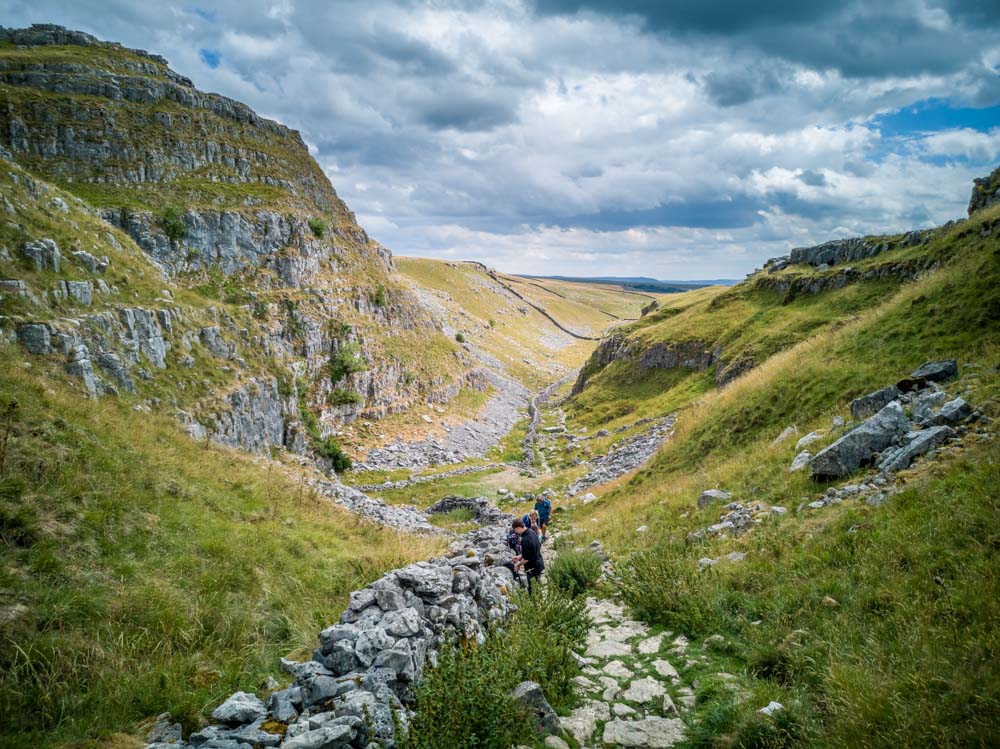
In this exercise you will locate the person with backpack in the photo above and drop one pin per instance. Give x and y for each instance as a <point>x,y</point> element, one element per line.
<point>543,506</point>
<point>531,551</point>
<point>530,558</point>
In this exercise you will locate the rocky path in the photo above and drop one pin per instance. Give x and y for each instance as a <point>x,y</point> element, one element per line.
<point>531,456</point>
<point>624,456</point>
<point>631,691</point>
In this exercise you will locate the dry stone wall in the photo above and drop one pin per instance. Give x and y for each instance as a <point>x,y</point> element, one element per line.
<point>356,688</point>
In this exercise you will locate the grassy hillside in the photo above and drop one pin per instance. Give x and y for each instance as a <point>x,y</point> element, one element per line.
<point>904,651</point>
<point>743,326</point>
<point>529,345</point>
<point>141,571</point>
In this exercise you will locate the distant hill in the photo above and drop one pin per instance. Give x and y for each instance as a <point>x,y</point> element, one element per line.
<point>642,283</point>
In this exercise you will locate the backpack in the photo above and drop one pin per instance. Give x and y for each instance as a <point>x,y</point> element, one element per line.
<point>514,541</point>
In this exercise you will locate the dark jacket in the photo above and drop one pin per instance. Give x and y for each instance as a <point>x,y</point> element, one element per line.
<point>531,552</point>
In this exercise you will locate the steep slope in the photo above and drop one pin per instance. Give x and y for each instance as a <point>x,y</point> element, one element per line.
<point>866,605</point>
<point>141,571</point>
<point>505,315</point>
<point>231,207</point>
<point>710,337</point>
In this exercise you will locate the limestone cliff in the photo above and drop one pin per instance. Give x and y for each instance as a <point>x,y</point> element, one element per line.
<point>280,284</point>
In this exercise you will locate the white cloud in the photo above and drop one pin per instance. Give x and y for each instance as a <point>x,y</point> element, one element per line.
<point>486,131</point>
<point>963,142</point>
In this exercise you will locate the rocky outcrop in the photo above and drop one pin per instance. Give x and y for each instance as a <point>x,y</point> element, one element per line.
<point>912,445</point>
<point>873,402</point>
<point>985,192</point>
<point>859,446</point>
<point>196,131</point>
<point>697,355</point>
<point>791,286</point>
<point>838,251</point>
<point>891,439</point>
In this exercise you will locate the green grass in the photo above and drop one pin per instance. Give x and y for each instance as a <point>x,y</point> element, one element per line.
<point>459,520</point>
<point>906,656</point>
<point>754,321</point>
<point>157,573</point>
<point>464,702</point>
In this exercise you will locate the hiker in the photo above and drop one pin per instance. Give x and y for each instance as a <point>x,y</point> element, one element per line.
<point>526,519</point>
<point>514,542</point>
<point>543,506</point>
<point>530,558</point>
<point>532,522</point>
<point>531,553</point>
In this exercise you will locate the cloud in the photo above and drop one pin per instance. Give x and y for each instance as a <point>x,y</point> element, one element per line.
<point>963,143</point>
<point>589,136</point>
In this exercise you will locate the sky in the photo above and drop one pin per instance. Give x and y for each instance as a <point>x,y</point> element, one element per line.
<point>663,138</point>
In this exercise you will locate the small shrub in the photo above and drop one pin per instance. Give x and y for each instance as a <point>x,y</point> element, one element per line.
<point>172,223</point>
<point>662,585</point>
<point>339,330</point>
<point>284,386</point>
<point>459,337</point>
<point>345,362</point>
<point>378,297</point>
<point>575,572</point>
<point>318,227</point>
<point>343,397</point>
<point>535,644</point>
<point>330,449</point>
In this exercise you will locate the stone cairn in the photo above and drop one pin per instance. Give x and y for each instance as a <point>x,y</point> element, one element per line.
<point>355,689</point>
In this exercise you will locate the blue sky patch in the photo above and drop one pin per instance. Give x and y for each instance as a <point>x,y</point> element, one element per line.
<point>210,57</point>
<point>931,115</point>
<point>205,15</point>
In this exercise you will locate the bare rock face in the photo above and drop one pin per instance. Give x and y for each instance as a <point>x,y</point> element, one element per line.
<point>696,355</point>
<point>839,251</point>
<point>985,192</point>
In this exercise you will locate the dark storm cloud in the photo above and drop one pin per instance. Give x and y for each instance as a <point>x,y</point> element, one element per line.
<point>857,38</point>
<point>731,88</point>
<point>467,113</point>
<point>701,214</point>
<point>710,16</point>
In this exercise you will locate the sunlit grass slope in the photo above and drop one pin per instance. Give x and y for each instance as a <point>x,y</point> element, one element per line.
<point>753,321</point>
<point>534,350</point>
<point>142,572</point>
